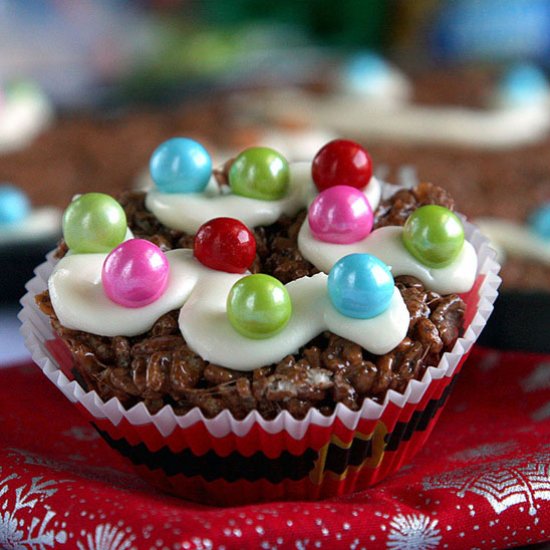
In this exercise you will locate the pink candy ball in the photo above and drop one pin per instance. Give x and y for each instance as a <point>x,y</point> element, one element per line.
<point>135,273</point>
<point>340,215</point>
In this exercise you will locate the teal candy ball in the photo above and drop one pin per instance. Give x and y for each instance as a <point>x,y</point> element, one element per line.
<point>360,286</point>
<point>539,221</point>
<point>14,204</point>
<point>180,165</point>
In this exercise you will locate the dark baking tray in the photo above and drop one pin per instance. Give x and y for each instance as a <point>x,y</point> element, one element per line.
<point>18,262</point>
<point>520,321</point>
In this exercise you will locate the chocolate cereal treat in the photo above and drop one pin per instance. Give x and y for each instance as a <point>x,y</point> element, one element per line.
<point>262,292</point>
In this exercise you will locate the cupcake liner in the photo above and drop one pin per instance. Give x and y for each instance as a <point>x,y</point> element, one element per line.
<point>225,461</point>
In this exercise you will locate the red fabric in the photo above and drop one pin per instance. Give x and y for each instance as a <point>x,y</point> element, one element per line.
<point>482,480</point>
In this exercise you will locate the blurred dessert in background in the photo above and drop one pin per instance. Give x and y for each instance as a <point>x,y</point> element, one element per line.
<point>25,111</point>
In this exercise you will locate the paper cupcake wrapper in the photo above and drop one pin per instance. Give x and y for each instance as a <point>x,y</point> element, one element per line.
<point>222,460</point>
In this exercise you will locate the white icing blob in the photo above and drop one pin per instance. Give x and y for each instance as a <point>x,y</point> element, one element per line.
<point>22,117</point>
<point>205,327</point>
<point>188,211</point>
<point>386,243</point>
<point>80,303</point>
<point>41,223</point>
<point>383,118</point>
<point>517,240</point>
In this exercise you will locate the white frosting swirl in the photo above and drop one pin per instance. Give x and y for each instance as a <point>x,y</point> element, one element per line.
<point>204,325</point>
<point>386,244</point>
<point>80,303</point>
<point>188,211</point>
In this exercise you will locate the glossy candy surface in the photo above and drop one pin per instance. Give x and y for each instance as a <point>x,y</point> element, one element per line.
<point>135,273</point>
<point>523,85</point>
<point>180,165</point>
<point>94,222</point>
<point>225,244</point>
<point>539,221</point>
<point>360,286</point>
<point>260,173</point>
<point>14,204</point>
<point>341,162</point>
<point>340,215</point>
<point>258,306</point>
<point>434,235</point>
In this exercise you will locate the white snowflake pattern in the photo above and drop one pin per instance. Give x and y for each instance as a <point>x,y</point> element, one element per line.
<point>94,473</point>
<point>503,484</point>
<point>413,532</point>
<point>82,433</point>
<point>14,535</point>
<point>539,379</point>
<point>487,450</point>
<point>542,413</point>
<point>107,537</point>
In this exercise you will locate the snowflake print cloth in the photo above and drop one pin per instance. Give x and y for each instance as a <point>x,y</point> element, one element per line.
<point>481,481</point>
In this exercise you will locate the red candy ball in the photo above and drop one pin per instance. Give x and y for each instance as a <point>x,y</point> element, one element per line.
<point>225,244</point>
<point>341,162</point>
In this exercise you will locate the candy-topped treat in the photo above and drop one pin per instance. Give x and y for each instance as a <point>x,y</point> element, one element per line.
<point>287,300</point>
<point>268,280</point>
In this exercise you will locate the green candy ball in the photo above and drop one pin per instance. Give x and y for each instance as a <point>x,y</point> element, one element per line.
<point>434,235</point>
<point>260,173</point>
<point>258,306</point>
<point>94,222</point>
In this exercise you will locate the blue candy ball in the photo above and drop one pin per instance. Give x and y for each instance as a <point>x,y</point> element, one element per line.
<point>522,85</point>
<point>363,73</point>
<point>14,204</point>
<point>360,286</point>
<point>539,221</point>
<point>180,165</point>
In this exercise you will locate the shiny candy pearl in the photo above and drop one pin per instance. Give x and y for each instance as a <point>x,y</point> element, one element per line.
<point>135,273</point>
<point>434,235</point>
<point>14,204</point>
<point>258,306</point>
<point>94,222</point>
<point>341,162</point>
<point>523,85</point>
<point>225,244</point>
<point>360,286</point>
<point>539,222</point>
<point>363,73</point>
<point>180,165</point>
<point>260,173</point>
<point>340,215</point>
